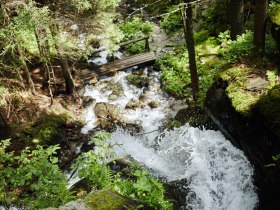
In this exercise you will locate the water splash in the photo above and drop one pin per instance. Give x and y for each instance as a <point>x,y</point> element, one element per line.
<point>219,175</point>
<point>150,119</point>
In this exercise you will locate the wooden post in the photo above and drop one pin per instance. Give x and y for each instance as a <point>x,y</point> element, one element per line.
<point>147,47</point>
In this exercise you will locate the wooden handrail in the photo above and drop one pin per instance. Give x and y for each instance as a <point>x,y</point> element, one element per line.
<point>133,41</point>
<point>147,47</point>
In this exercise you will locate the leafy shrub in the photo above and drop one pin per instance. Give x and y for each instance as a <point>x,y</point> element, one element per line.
<point>175,77</point>
<point>201,36</point>
<point>171,22</point>
<point>274,12</point>
<point>238,49</point>
<point>32,179</point>
<point>93,167</point>
<point>135,29</point>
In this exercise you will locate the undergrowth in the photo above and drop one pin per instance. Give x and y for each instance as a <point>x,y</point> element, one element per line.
<point>93,167</point>
<point>136,28</point>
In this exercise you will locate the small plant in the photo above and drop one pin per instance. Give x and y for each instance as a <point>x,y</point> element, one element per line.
<point>238,49</point>
<point>172,22</point>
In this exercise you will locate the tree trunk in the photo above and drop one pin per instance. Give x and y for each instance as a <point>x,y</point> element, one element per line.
<point>70,87</point>
<point>188,32</point>
<point>43,57</point>
<point>236,16</point>
<point>261,10</point>
<point>26,72</point>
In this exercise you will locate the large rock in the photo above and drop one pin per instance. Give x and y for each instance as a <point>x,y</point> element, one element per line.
<point>103,200</point>
<point>138,80</point>
<point>117,91</point>
<point>109,115</point>
<point>257,134</point>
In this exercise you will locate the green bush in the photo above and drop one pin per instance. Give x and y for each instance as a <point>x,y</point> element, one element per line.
<point>175,77</point>
<point>238,49</point>
<point>172,22</point>
<point>32,179</point>
<point>274,12</point>
<point>201,36</point>
<point>135,29</point>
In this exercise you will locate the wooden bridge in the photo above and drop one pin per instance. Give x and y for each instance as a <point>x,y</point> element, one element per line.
<point>90,76</point>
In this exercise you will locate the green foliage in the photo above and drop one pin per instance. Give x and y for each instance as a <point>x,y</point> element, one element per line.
<point>272,77</point>
<point>274,12</point>
<point>135,29</point>
<point>238,49</point>
<point>93,167</point>
<point>216,18</point>
<point>144,188</point>
<point>172,22</point>
<point>276,159</point>
<point>201,36</point>
<point>46,132</point>
<point>32,179</point>
<point>175,76</point>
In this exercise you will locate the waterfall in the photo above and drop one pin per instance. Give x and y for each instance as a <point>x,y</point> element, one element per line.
<point>219,176</point>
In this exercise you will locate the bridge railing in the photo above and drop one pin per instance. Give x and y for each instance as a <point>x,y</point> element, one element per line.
<point>146,38</point>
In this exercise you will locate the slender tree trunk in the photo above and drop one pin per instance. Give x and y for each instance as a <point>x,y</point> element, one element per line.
<point>261,10</point>
<point>236,16</point>
<point>70,87</point>
<point>188,32</point>
<point>43,58</point>
<point>26,72</point>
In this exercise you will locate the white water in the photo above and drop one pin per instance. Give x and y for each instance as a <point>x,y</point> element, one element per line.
<point>219,175</point>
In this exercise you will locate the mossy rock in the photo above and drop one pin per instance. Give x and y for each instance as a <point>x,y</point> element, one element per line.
<point>269,109</point>
<point>138,80</point>
<point>117,91</point>
<point>237,90</point>
<point>109,199</point>
<point>45,131</point>
<point>108,115</point>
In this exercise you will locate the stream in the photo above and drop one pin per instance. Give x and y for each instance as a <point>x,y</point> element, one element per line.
<point>219,176</point>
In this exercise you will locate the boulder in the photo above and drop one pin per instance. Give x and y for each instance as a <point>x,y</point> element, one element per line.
<point>103,200</point>
<point>153,104</point>
<point>138,80</point>
<point>109,115</point>
<point>117,91</point>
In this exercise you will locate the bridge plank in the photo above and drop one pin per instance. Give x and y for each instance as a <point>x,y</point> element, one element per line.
<point>117,65</point>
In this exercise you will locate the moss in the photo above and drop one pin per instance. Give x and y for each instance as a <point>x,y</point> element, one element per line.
<point>242,99</point>
<point>173,124</point>
<point>108,199</point>
<point>137,80</point>
<point>45,131</point>
<point>269,109</point>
